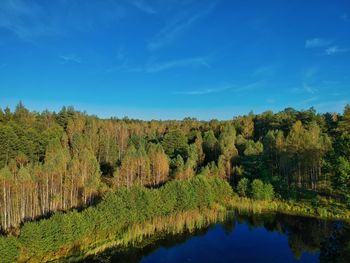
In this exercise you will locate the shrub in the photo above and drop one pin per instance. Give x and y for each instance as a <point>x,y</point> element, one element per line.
<point>112,217</point>
<point>9,250</point>
<point>269,193</point>
<point>261,191</point>
<point>257,189</point>
<point>242,187</point>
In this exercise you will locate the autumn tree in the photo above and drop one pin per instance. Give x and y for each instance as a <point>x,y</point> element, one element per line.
<point>159,164</point>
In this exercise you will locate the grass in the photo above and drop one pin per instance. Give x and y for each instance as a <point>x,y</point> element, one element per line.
<point>327,209</point>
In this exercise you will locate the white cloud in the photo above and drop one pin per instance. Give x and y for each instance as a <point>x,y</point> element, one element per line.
<point>70,58</point>
<point>309,89</point>
<point>187,62</point>
<point>176,27</point>
<point>305,89</point>
<point>317,42</point>
<point>334,50</point>
<point>231,88</point>
<point>155,67</point>
<point>203,91</point>
<point>311,99</point>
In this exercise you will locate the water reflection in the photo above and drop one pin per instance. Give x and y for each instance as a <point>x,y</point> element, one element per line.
<point>245,238</point>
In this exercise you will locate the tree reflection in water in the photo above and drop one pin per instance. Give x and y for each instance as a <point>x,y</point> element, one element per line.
<point>328,239</point>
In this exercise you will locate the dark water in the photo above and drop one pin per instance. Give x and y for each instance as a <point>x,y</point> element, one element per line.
<point>246,238</point>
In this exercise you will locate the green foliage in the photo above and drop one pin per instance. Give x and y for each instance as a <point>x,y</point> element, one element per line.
<point>53,160</point>
<point>211,146</point>
<point>342,146</point>
<point>8,142</point>
<point>175,143</point>
<point>344,124</point>
<point>261,191</point>
<point>257,189</point>
<point>113,215</point>
<point>243,187</point>
<point>268,192</point>
<point>341,180</point>
<point>8,249</point>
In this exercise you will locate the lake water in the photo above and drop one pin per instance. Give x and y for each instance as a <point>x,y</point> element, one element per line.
<point>246,238</point>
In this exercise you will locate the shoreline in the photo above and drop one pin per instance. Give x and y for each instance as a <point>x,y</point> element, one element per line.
<point>125,218</point>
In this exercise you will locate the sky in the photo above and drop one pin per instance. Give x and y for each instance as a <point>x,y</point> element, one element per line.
<point>170,59</point>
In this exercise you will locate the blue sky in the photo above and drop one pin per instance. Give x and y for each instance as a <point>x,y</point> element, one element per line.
<point>170,59</point>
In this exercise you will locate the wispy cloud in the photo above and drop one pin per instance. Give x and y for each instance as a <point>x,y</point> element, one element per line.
<point>31,19</point>
<point>317,42</point>
<point>336,105</point>
<point>155,66</point>
<point>311,99</point>
<point>219,89</point>
<point>120,56</point>
<point>187,62</point>
<point>203,91</point>
<point>345,17</point>
<point>309,89</point>
<point>310,73</point>
<point>26,19</point>
<point>70,58</point>
<point>176,26</point>
<point>265,71</point>
<point>270,100</point>
<point>143,6</point>
<point>335,50</point>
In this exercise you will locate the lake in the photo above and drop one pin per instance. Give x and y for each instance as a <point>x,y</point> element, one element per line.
<point>245,238</point>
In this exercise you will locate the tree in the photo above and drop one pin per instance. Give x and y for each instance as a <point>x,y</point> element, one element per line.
<point>199,148</point>
<point>8,142</point>
<point>251,160</point>
<point>178,167</point>
<point>85,176</point>
<point>344,123</point>
<point>228,150</point>
<point>341,179</point>
<point>159,164</point>
<point>257,189</point>
<point>243,187</point>
<point>22,115</point>
<point>142,166</point>
<point>261,191</point>
<point>175,143</point>
<point>6,180</point>
<point>211,146</point>
<point>268,193</point>
<point>295,144</point>
<point>245,125</point>
<point>128,167</point>
<point>53,160</point>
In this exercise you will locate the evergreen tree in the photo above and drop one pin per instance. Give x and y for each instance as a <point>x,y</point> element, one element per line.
<point>211,146</point>
<point>175,143</point>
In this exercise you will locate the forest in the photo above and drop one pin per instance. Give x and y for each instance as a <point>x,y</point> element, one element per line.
<point>59,161</point>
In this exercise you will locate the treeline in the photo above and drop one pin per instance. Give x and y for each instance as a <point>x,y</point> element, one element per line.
<point>115,219</point>
<point>56,161</point>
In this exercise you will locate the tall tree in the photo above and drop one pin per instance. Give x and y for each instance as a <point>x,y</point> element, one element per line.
<point>159,164</point>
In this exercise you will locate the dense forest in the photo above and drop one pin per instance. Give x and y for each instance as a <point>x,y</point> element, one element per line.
<point>55,161</point>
